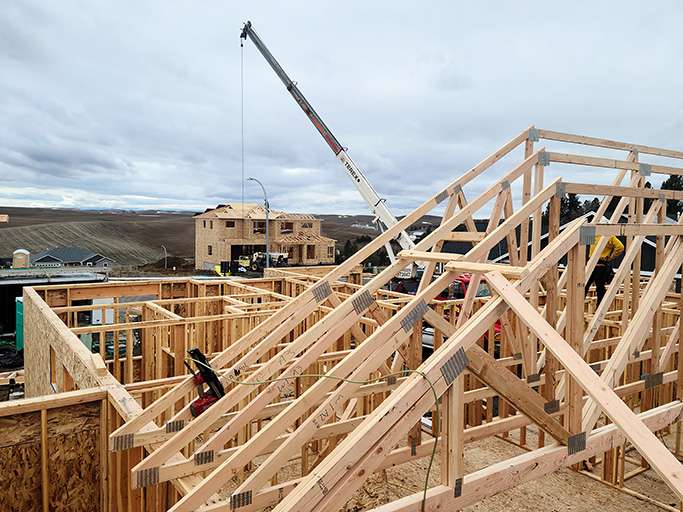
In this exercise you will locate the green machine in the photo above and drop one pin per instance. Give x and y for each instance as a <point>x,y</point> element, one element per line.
<point>19,333</point>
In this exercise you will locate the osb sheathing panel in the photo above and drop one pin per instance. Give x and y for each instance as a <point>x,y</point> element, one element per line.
<point>42,329</point>
<point>20,485</point>
<point>73,460</point>
<point>73,450</point>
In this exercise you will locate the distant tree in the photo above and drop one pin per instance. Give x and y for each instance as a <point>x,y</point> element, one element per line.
<point>591,206</point>
<point>379,258</point>
<point>673,208</point>
<point>570,208</point>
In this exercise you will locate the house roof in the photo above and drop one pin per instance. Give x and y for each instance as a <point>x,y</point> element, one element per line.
<point>304,238</point>
<point>68,254</point>
<point>251,211</point>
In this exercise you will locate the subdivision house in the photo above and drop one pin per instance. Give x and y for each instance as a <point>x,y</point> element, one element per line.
<point>70,257</point>
<point>228,231</point>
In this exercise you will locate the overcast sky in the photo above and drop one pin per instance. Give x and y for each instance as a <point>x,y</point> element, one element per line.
<point>133,104</point>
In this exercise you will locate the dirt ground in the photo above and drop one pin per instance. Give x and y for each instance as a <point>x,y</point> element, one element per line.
<point>563,490</point>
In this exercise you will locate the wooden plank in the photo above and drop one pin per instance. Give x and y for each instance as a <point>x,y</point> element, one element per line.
<point>390,421</point>
<point>658,455</point>
<point>44,476</point>
<point>526,467</point>
<point>464,236</point>
<point>634,336</point>
<point>620,191</point>
<point>284,317</point>
<point>610,163</point>
<point>607,143</point>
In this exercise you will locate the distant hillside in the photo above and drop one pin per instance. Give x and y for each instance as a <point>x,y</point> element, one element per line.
<point>130,238</point>
<point>135,237</point>
<point>350,227</point>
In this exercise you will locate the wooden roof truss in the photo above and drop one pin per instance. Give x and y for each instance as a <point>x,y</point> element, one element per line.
<point>564,380</point>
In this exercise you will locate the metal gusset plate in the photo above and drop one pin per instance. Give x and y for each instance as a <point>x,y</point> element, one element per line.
<point>322,291</point>
<point>362,302</point>
<point>454,366</point>
<point>414,316</point>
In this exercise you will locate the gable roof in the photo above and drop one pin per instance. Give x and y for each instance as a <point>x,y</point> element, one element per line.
<point>68,254</point>
<point>251,211</point>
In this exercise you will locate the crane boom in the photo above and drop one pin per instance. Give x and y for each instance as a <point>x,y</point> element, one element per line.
<point>377,204</point>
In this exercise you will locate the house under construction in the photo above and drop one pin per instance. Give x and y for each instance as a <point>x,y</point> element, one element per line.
<point>225,233</point>
<point>325,386</point>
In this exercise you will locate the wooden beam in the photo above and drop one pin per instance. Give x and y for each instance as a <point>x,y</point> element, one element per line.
<point>526,467</point>
<point>618,191</point>
<point>611,163</point>
<point>658,455</point>
<point>607,143</point>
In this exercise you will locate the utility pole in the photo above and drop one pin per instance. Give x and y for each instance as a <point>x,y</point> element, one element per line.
<point>266,205</point>
<point>165,257</point>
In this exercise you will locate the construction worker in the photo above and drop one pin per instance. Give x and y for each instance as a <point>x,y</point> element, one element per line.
<point>603,270</point>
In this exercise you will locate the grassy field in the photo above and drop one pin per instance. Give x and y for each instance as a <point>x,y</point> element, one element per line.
<point>132,237</point>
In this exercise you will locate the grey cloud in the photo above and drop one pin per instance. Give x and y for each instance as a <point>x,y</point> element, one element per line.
<point>148,95</point>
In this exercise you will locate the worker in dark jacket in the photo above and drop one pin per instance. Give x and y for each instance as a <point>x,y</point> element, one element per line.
<point>603,270</point>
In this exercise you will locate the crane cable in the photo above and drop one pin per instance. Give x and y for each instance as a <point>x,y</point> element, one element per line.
<point>242,128</point>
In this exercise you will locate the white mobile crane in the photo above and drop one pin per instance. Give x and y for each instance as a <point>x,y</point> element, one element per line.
<point>378,205</point>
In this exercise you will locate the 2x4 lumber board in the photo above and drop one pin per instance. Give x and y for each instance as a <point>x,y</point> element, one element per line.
<point>340,315</point>
<point>610,163</point>
<point>658,455</point>
<point>624,269</point>
<point>643,229</point>
<point>456,262</point>
<point>274,493</point>
<point>106,291</point>
<point>602,243</point>
<point>495,375</point>
<point>15,407</point>
<point>168,322</point>
<point>44,459</point>
<point>343,470</point>
<point>134,304</point>
<point>527,466</point>
<point>363,360</point>
<point>607,143</point>
<point>285,314</point>
<point>475,267</point>
<point>641,323</point>
<point>263,336</point>
<point>464,236</point>
<point>619,191</point>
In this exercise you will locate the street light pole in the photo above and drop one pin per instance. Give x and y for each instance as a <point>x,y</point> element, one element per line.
<point>267,208</point>
<point>165,257</point>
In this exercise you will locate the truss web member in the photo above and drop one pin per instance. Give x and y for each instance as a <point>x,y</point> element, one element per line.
<point>603,270</point>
